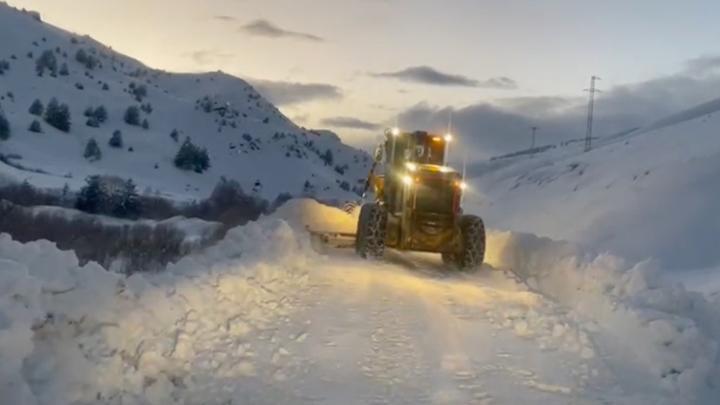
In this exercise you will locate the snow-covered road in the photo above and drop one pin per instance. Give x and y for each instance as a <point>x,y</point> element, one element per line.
<point>389,334</point>
<point>262,318</point>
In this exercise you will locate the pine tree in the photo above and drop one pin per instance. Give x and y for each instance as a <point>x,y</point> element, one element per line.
<point>37,108</point>
<point>64,70</point>
<point>35,127</point>
<point>91,197</point>
<point>58,115</point>
<point>116,140</point>
<point>191,157</point>
<point>92,151</point>
<point>128,202</point>
<point>132,116</point>
<point>327,157</point>
<point>47,61</point>
<point>174,135</point>
<point>100,114</point>
<point>4,127</point>
<point>145,124</point>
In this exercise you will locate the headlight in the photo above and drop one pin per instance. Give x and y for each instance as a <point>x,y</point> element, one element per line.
<point>407,180</point>
<point>395,131</point>
<point>462,185</point>
<point>448,138</point>
<point>411,166</point>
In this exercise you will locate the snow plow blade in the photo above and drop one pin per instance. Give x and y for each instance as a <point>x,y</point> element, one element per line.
<point>337,240</point>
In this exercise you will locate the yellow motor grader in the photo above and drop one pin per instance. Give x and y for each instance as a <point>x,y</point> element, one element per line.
<point>417,204</point>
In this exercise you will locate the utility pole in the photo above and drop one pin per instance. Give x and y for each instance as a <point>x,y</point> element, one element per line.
<point>534,131</point>
<point>591,108</point>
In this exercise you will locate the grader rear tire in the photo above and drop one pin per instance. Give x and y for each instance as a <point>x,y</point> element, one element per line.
<point>471,252</point>
<point>370,243</point>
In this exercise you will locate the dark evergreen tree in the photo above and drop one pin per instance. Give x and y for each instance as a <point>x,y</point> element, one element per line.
<point>91,197</point>
<point>116,140</point>
<point>37,108</point>
<point>145,124</point>
<point>46,61</point>
<point>58,115</point>
<point>64,70</point>
<point>100,114</point>
<point>127,204</point>
<point>92,151</point>
<point>175,135</point>
<point>4,127</point>
<point>132,116</point>
<point>191,157</point>
<point>327,157</point>
<point>35,127</point>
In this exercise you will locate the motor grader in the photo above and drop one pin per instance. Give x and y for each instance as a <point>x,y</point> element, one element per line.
<point>417,203</point>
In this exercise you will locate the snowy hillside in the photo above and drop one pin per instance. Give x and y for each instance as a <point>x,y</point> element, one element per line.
<point>650,193</point>
<point>246,137</point>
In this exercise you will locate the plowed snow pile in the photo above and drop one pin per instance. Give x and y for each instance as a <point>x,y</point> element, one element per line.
<point>71,334</point>
<point>263,319</point>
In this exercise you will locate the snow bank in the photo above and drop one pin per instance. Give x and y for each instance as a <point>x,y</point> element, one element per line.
<point>656,334</point>
<point>72,334</point>
<point>303,213</point>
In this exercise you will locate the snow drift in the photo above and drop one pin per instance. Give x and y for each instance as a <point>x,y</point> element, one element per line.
<point>650,332</point>
<point>71,334</point>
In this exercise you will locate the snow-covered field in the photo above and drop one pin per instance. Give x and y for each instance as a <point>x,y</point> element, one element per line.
<point>262,318</point>
<point>650,194</point>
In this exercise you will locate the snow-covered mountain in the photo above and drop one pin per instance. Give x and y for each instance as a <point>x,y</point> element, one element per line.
<point>647,193</point>
<point>246,137</point>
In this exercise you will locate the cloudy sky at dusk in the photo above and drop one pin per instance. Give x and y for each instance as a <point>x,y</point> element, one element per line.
<point>356,65</point>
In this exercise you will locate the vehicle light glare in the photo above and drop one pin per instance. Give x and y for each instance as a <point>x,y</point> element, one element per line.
<point>448,138</point>
<point>411,166</point>
<point>407,180</point>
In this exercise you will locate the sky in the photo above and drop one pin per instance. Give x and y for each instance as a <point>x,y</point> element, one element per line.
<point>358,66</point>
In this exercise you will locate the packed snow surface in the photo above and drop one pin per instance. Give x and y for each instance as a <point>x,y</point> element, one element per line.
<point>262,318</point>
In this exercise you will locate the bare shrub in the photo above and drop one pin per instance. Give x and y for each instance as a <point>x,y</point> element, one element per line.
<point>139,247</point>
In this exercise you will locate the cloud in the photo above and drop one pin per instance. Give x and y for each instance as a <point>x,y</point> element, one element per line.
<point>264,28</point>
<point>289,93</point>
<point>503,125</point>
<point>226,18</point>
<point>703,65</point>
<point>208,57</point>
<point>350,123</point>
<point>429,75</point>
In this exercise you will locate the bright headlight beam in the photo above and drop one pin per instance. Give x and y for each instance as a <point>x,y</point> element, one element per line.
<point>448,138</point>
<point>407,180</point>
<point>411,166</point>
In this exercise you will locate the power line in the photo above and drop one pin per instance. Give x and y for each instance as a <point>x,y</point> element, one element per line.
<point>591,110</point>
